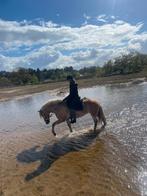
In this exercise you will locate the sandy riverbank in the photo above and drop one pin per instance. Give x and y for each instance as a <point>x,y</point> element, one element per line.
<point>62,87</point>
<point>32,166</point>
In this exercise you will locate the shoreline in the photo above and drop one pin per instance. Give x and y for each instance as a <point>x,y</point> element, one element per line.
<point>10,93</point>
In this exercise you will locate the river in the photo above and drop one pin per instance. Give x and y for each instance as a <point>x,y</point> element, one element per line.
<point>113,162</point>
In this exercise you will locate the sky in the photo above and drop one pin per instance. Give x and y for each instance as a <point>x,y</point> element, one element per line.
<point>59,33</point>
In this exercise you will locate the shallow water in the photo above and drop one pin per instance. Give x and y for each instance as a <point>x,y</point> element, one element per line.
<point>122,157</point>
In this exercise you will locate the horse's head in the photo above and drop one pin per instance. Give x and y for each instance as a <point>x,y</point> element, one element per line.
<point>46,116</point>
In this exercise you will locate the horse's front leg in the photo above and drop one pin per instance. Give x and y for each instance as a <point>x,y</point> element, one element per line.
<point>69,125</point>
<point>56,123</point>
<point>95,123</point>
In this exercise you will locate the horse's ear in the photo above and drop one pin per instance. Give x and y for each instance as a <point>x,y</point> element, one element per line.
<point>40,113</point>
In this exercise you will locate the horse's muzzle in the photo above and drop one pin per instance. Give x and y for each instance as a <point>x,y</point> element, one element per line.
<point>47,122</point>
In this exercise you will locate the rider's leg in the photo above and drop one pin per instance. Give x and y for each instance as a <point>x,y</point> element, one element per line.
<point>69,125</point>
<point>72,116</point>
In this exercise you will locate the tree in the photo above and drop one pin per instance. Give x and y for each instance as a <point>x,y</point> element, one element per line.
<point>4,81</point>
<point>34,79</point>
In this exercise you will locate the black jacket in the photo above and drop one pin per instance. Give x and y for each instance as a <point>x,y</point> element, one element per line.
<point>73,86</point>
<point>73,100</point>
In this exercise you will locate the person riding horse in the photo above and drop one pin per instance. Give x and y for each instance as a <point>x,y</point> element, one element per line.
<point>73,100</point>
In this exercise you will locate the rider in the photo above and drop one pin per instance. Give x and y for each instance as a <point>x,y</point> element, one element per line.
<point>73,100</point>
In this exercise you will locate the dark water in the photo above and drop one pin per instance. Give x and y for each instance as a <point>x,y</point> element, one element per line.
<point>125,108</point>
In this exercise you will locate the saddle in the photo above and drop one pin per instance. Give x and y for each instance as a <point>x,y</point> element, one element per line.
<point>75,104</point>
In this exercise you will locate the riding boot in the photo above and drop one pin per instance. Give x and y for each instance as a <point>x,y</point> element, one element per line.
<point>72,116</point>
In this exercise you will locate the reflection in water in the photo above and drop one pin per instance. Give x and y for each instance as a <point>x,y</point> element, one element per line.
<point>119,156</point>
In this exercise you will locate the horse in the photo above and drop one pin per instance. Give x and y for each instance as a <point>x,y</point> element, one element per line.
<point>61,111</point>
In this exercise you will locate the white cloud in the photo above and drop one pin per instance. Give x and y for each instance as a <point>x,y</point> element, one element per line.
<point>14,33</point>
<point>135,46</point>
<point>113,17</point>
<point>37,59</point>
<point>102,18</point>
<point>50,45</point>
<point>119,22</point>
<point>86,16</point>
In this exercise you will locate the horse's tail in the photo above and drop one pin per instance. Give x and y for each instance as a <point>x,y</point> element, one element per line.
<point>101,116</point>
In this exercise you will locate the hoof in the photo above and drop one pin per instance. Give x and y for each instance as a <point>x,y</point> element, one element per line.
<point>54,133</point>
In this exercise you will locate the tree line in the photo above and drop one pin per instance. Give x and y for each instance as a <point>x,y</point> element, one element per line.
<point>125,64</point>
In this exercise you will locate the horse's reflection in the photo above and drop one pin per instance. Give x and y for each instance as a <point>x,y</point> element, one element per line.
<point>51,152</point>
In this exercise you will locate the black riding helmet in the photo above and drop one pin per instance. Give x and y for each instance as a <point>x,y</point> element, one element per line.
<point>69,77</point>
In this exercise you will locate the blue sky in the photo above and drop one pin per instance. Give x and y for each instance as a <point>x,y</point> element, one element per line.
<point>58,33</point>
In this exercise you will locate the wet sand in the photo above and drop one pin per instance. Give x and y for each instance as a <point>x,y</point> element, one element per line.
<point>85,164</point>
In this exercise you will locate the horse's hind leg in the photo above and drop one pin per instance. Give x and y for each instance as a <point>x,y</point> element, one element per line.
<point>95,119</point>
<point>102,117</point>
<point>56,123</point>
<point>104,122</point>
<point>69,125</point>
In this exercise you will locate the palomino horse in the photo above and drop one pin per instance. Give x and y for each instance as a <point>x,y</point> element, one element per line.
<point>61,111</point>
